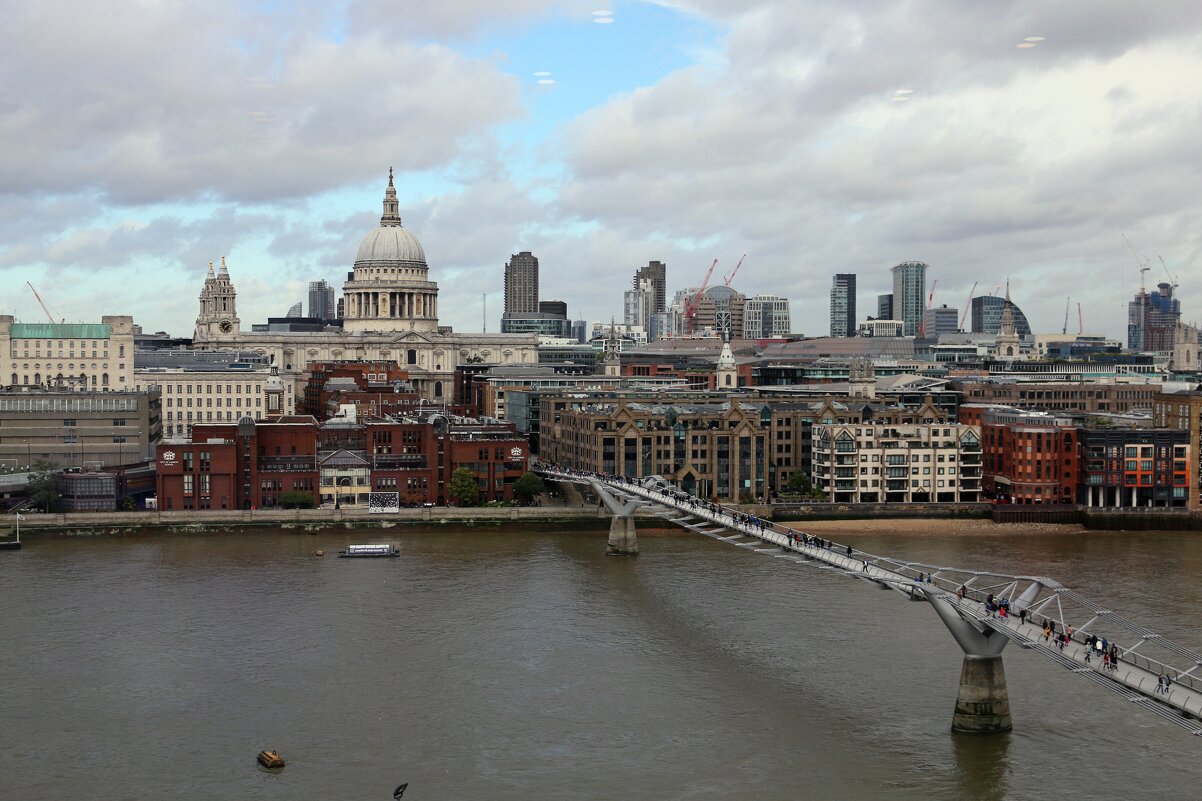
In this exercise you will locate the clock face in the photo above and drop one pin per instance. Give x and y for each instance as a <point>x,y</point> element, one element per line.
<point>226,326</point>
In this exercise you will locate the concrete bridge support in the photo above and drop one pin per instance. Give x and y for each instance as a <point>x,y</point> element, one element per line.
<point>623,538</point>
<point>982,703</point>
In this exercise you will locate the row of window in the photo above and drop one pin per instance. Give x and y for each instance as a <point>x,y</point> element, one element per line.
<point>208,402</point>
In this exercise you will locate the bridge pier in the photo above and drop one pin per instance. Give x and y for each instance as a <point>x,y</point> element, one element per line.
<point>982,702</point>
<point>623,539</point>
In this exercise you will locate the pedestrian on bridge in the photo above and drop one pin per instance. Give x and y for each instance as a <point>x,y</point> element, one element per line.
<point>1160,683</point>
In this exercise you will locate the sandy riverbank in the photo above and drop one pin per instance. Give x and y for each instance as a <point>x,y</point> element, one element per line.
<point>921,527</point>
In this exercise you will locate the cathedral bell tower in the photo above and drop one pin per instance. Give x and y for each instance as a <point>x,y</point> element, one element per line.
<point>218,318</point>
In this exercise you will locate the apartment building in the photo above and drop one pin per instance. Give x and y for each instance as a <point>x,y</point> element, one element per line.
<point>878,462</point>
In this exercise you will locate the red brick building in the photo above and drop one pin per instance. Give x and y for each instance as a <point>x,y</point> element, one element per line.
<point>1029,457</point>
<point>252,464</point>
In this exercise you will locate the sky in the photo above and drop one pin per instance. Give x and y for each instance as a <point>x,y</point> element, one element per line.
<point>1020,140</point>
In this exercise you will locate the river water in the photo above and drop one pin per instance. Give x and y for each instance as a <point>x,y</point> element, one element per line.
<point>500,665</point>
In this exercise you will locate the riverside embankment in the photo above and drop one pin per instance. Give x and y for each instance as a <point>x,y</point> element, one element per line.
<point>85,524</point>
<point>818,517</point>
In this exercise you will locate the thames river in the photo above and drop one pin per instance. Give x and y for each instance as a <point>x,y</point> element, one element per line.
<point>501,665</point>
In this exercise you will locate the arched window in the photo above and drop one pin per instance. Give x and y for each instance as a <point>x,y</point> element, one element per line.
<point>728,379</point>
<point>14,379</point>
<point>37,378</point>
<point>411,356</point>
<point>438,389</point>
<point>104,380</point>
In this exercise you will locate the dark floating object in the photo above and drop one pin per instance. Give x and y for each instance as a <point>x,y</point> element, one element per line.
<point>400,791</point>
<point>270,759</point>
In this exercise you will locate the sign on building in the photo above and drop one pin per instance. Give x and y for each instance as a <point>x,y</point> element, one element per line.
<point>381,502</point>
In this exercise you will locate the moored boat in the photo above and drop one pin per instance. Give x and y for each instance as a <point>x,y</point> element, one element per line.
<point>369,551</point>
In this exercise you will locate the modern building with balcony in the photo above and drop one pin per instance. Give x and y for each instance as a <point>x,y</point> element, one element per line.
<point>1124,468</point>
<point>876,462</point>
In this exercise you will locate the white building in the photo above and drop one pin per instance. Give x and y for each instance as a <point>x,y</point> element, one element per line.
<point>766,317</point>
<point>882,328</point>
<point>390,312</point>
<point>873,462</point>
<point>94,356</point>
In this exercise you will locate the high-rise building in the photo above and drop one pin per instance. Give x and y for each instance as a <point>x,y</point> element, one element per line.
<point>321,300</point>
<point>941,320</point>
<point>1152,319</point>
<point>986,316</point>
<point>843,305</point>
<point>521,284</point>
<point>639,304</point>
<point>657,273</point>
<point>909,294</point>
<point>557,307</point>
<point>767,317</point>
<point>884,307</point>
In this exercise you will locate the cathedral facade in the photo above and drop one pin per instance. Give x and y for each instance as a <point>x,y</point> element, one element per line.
<point>390,314</point>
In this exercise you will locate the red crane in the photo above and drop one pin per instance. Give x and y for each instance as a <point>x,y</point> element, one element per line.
<point>42,303</point>
<point>731,277</point>
<point>690,304</point>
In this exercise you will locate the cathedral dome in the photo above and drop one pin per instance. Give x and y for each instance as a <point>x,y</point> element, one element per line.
<point>390,243</point>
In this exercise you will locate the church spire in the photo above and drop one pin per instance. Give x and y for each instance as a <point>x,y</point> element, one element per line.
<point>392,210</point>
<point>1007,328</point>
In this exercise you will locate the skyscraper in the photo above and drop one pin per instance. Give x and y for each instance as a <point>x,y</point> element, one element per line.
<point>909,291</point>
<point>843,305</point>
<point>639,304</point>
<point>986,316</point>
<point>1152,318</point>
<point>657,273</point>
<point>521,284</point>
<point>766,317</point>
<point>321,300</point>
<point>884,306</point>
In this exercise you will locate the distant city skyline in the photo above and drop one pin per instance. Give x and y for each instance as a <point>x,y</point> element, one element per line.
<point>160,138</point>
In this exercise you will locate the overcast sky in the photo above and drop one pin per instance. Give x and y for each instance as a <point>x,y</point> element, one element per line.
<point>142,140</point>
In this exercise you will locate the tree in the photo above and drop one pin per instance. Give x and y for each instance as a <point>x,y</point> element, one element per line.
<point>463,487</point>
<point>799,484</point>
<point>296,499</point>
<point>43,491</point>
<point>528,487</point>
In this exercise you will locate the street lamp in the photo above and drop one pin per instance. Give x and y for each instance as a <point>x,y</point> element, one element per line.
<point>338,490</point>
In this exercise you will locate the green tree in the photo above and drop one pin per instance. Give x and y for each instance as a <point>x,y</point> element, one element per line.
<point>528,487</point>
<point>43,491</point>
<point>799,484</point>
<point>463,487</point>
<point>296,499</point>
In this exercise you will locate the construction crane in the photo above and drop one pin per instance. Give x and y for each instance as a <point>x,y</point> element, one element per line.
<point>1140,259</point>
<point>731,277</point>
<point>690,304</point>
<point>922,324</point>
<point>968,305</point>
<point>1172,276</point>
<point>42,303</point>
<point>1065,329</point>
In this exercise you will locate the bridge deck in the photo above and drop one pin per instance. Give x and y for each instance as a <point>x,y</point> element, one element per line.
<point>1135,676</point>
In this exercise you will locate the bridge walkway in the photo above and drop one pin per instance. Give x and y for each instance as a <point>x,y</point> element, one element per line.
<point>1134,677</point>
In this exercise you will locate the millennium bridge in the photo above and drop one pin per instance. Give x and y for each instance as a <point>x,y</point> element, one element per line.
<point>1152,672</point>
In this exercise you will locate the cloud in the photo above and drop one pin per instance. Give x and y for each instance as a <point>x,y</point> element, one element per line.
<point>149,102</point>
<point>1004,162</point>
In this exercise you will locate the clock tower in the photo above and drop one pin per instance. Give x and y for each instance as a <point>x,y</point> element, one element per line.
<point>218,318</point>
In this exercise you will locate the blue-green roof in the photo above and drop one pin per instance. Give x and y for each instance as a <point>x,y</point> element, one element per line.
<point>60,331</point>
